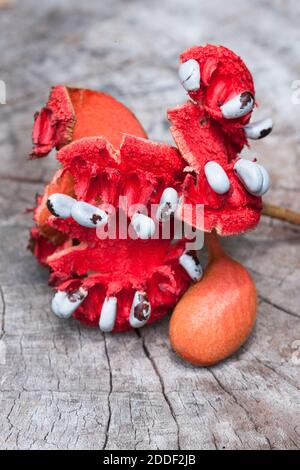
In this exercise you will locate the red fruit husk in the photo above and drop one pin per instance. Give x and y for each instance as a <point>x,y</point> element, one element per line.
<point>72,113</point>
<point>223,75</point>
<point>202,135</point>
<point>200,139</point>
<point>95,172</point>
<point>119,268</point>
<point>53,125</point>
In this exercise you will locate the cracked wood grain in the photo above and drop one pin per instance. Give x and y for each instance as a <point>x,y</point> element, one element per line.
<point>108,396</point>
<point>169,403</point>
<point>64,386</point>
<point>140,416</point>
<point>288,312</point>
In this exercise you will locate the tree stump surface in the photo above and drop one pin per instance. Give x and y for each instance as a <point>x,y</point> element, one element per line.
<point>64,386</point>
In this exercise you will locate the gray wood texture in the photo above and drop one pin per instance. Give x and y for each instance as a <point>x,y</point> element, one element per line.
<point>68,387</point>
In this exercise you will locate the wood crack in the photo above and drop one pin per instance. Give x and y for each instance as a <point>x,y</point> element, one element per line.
<point>157,373</point>
<point>109,394</point>
<point>228,392</point>
<point>278,307</point>
<point>274,371</point>
<point>11,425</point>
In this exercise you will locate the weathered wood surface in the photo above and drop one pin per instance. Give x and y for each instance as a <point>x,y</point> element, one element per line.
<point>66,386</point>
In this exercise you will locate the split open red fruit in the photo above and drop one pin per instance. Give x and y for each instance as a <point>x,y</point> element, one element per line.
<point>223,75</point>
<point>72,113</point>
<point>110,270</point>
<point>119,268</point>
<point>202,134</point>
<point>105,157</point>
<point>200,140</point>
<point>107,268</point>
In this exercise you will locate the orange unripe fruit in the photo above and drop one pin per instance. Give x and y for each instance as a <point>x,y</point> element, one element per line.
<point>216,315</point>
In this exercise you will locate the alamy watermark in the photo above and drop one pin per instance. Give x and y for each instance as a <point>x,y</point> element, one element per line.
<point>149,223</point>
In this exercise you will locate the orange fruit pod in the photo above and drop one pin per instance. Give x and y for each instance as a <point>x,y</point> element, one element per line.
<point>216,315</point>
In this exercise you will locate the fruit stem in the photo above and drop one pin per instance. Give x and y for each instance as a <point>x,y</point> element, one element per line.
<point>214,247</point>
<point>281,213</point>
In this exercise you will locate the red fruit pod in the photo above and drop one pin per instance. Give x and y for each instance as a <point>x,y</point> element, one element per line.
<point>209,132</point>
<point>72,113</point>
<point>112,282</point>
<point>118,282</point>
<point>119,269</point>
<point>53,124</point>
<point>223,75</point>
<point>202,141</point>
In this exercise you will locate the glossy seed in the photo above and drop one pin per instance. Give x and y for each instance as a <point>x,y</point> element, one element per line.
<point>168,204</point>
<point>189,75</point>
<point>266,180</point>
<point>88,215</point>
<point>140,310</point>
<point>65,303</point>
<point>108,314</point>
<point>238,106</point>
<point>191,265</point>
<point>250,175</point>
<point>216,177</point>
<point>60,205</point>
<point>259,129</point>
<point>143,226</point>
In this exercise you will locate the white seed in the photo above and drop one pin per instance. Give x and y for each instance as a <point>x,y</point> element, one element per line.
<point>189,75</point>
<point>143,226</point>
<point>238,106</point>
<point>216,177</point>
<point>250,175</point>
<point>168,204</point>
<point>140,310</point>
<point>88,215</point>
<point>191,266</point>
<point>259,129</point>
<point>266,180</point>
<point>60,205</point>
<point>108,314</point>
<point>65,303</point>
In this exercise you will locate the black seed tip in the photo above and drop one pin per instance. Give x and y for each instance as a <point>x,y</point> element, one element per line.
<point>265,132</point>
<point>246,98</point>
<point>142,309</point>
<point>51,208</point>
<point>75,296</point>
<point>193,255</point>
